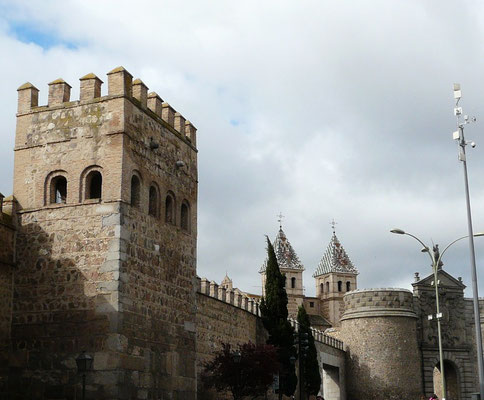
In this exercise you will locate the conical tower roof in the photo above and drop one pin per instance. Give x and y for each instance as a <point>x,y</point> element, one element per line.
<point>335,259</point>
<point>285,254</point>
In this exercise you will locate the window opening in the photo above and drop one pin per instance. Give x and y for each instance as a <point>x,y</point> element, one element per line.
<point>59,190</point>
<point>185,216</point>
<point>153,202</point>
<point>135,191</point>
<point>94,183</point>
<point>169,209</point>
<point>293,283</point>
<point>340,286</point>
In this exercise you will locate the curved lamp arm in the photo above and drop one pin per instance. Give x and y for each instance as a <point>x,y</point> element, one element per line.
<point>425,247</point>
<point>456,240</point>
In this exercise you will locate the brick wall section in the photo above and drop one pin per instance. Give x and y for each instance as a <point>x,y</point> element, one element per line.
<point>379,329</point>
<point>7,242</point>
<point>157,307</point>
<point>64,298</point>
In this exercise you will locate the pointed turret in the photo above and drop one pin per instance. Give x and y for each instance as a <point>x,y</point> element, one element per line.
<point>291,267</point>
<point>335,259</point>
<point>335,275</point>
<point>285,254</point>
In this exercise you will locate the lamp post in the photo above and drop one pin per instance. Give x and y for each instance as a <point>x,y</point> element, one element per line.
<point>84,363</point>
<point>459,137</point>
<point>436,258</point>
<point>303,345</point>
<point>237,357</point>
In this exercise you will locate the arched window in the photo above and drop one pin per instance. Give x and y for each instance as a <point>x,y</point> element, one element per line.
<point>58,189</point>
<point>340,286</point>
<point>327,287</point>
<point>348,286</point>
<point>170,208</point>
<point>94,184</point>
<point>135,191</point>
<point>321,288</point>
<point>293,283</point>
<point>185,216</point>
<point>153,203</point>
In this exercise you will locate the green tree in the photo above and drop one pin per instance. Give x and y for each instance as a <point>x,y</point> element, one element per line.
<point>310,365</point>
<point>274,317</point>
<point>248,375</point>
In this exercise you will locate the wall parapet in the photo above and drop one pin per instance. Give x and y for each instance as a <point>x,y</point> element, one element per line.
<point>320,336</point>
<point>239,299</point>
<point>383,302</point>
<point>234,297</point>
<point>120,84</point>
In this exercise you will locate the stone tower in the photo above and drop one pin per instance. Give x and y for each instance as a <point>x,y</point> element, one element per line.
<point>379,329</point>
<point>292,268</point>
<point>106,245</point>
<point>335,275</point>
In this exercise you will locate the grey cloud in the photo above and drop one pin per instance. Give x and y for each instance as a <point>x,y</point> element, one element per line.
<point>345,112</point>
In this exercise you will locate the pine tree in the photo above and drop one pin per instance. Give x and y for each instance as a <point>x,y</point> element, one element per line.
<point>310,365</point>
<point>274,317</point>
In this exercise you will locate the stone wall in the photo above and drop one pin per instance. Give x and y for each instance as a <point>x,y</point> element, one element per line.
<point>63,299</point>
<point>157,307</point>
<point>110,274</point>
<point>7,242</point>
<point>158,266</point>
<point>230,316</point>
<point>379,329</point>
<point>221,322</point>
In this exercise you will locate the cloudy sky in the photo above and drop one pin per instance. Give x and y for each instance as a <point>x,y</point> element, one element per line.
<point>316,109</point>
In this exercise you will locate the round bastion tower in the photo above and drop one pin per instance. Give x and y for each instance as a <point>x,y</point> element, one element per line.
<point>379,329</point>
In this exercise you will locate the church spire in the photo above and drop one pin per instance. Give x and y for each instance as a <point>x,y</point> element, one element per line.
<point>285,254</point>
<point>335,258</point>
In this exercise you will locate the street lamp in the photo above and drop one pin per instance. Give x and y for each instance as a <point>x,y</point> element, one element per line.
<point>459,137</point>
<point>237,357</point>
<point>301,339</point>
<point>436,258</point>
<point>84,363</point>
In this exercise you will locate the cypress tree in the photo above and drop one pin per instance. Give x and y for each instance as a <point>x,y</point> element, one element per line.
<point>274,318</point>
<point>310,365</point>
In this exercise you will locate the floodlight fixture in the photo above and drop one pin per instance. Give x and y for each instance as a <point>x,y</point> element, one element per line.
<point>475,294</point>
<point>457,91</point>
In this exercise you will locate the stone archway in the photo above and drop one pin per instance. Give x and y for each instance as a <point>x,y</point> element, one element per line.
<point>452,380</point>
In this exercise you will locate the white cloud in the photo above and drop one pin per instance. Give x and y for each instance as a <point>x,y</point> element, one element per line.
<point>317,109</point>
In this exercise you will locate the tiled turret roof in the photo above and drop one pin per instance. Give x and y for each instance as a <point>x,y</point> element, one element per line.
<point>285,254</point>
<point>335,259</point>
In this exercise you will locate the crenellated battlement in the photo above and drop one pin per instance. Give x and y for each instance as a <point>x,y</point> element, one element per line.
<point>120,84</point>
<point>234,297</point>
<point>239,299</point>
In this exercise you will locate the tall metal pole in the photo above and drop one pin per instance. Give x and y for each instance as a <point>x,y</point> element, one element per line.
<point>438,316</point>
<point>477,319</point>
<point>83,386</point>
